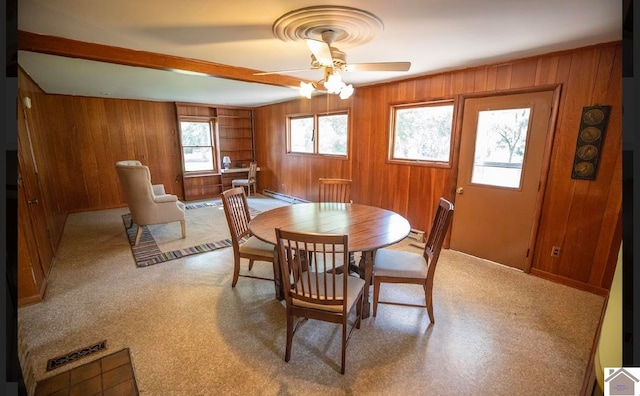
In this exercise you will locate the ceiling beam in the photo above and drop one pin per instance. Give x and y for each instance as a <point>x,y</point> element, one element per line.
<point>60,46</point>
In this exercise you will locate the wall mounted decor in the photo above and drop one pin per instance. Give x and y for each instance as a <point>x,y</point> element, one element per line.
<point>593,125</point>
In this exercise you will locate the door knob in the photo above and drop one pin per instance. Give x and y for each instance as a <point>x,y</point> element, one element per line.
<point>459,190</point>
<point>33,201</point>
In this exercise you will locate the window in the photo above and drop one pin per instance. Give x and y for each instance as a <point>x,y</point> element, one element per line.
<point>301,135</point>
<point>319,134</point>
<point>198,149</point>
<point>421,132</point>
<point>501,138</point>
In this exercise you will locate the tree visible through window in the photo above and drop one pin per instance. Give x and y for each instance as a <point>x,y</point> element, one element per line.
<point>501,138</point>
<point>301,134</point>
<point>422,132</point>
<point>319,134</point>
<point>332,135</point>
<point>197,146</point>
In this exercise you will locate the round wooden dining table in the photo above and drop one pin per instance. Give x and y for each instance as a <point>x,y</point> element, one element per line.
<point>368,227</point>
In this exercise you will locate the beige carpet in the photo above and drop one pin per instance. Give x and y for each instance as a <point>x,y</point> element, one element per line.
<point>498,331</point>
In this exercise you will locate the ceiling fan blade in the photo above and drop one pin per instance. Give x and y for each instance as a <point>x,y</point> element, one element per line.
<point>321,51</point>
<point>283,71</point>
<point>378,66</point>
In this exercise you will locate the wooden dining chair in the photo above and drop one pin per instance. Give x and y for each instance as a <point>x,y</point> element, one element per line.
<point>314,290</point>
<point>245,245</point>
<point>337,190</point>
<point>249,181</point>
<point>397,266</point>
<point>334,190</point>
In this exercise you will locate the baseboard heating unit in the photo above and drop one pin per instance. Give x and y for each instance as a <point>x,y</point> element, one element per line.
<point>283,197</point>
<point>417,235</point>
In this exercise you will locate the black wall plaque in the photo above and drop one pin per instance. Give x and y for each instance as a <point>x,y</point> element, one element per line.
<point>593,125</point>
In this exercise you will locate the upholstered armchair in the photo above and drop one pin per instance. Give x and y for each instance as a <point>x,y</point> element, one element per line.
<point>148,204</point>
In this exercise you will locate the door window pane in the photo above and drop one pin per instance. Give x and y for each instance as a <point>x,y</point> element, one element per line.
<point>501,138</point>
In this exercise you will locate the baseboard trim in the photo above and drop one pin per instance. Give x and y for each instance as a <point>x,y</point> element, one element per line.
<point>570,282</point>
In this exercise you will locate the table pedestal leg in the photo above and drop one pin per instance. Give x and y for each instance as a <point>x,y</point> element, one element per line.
<point>365,269</point>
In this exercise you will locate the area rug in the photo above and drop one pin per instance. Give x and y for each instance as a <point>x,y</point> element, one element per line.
<point>207,231</point>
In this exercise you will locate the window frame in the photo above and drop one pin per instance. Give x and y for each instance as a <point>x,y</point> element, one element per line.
<point>392,133</point>
<point>215,147</point>
<point>316,136</point>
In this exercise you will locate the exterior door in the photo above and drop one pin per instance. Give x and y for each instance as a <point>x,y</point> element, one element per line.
<point>501,157</point>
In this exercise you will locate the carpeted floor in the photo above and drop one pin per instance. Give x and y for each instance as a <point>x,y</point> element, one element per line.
<point>498,331</point>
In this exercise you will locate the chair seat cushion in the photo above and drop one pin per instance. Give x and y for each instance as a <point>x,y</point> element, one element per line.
<point>389,262</point>
<point>354,287</point>
<point>257,247</point>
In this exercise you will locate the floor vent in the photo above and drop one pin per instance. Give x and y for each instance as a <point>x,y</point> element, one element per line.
<point>75,355</point>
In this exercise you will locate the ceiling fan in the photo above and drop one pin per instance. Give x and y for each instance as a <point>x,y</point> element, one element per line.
<point>331,59</point>
<point>331,24</point>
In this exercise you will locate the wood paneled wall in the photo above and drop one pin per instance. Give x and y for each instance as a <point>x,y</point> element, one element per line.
<point>77,141</point>
<point>583,217</point>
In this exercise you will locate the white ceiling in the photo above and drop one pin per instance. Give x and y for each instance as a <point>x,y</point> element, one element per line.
<point>434,35</point>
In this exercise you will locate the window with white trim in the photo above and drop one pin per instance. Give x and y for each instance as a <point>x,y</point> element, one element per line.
<point>198,145</point>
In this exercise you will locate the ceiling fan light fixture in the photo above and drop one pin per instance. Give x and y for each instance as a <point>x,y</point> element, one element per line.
<point>346,91</point>
<point>306,89</point>
<point>334,83</point>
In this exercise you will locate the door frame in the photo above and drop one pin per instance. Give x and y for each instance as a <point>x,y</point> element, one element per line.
<point>546,159</point>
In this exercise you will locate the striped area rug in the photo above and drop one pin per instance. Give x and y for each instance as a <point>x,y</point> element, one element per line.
<point>147,252</point>
<point>202,205</point>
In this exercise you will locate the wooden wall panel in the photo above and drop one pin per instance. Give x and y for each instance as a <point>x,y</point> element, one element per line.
<point>582,217</point>
<point>77,140</point>
<point>279,170</point>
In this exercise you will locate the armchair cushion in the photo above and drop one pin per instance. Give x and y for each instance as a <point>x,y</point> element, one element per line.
<point>165,198</point>
<point>158,189</point>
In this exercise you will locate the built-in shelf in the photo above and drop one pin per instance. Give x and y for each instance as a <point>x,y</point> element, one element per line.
<point>235,138</point>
